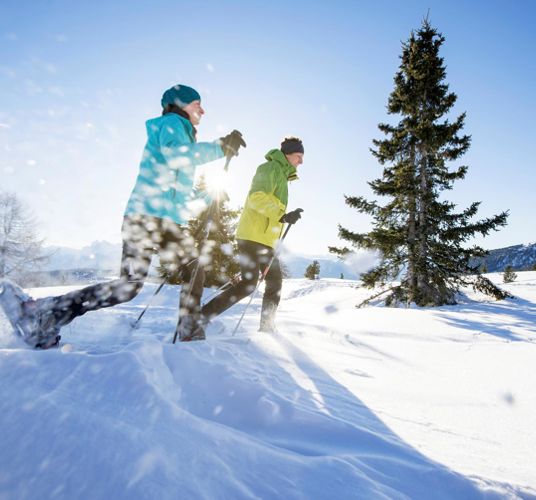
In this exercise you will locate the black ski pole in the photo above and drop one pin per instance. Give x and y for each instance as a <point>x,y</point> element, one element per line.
<point>263,276</point>
<point>135,325</point>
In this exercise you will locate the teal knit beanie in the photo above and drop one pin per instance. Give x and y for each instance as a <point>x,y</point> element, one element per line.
<point>180,95</point>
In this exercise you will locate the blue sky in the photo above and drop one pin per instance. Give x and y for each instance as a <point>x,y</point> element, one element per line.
<point>79,79</point>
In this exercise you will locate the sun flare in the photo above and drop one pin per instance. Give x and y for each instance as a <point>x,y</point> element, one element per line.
<point>216,182</point>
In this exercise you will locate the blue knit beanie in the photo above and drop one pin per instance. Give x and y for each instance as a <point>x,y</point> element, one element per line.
<point>180,95</point>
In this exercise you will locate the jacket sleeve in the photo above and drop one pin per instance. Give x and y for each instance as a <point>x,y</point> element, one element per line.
<point>261,196</point>
<point>179,150</point>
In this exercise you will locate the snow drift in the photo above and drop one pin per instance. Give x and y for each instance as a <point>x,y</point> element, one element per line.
<point>341,403</point>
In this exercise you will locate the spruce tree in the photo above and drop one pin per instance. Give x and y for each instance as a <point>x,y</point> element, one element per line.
<point>509,275</point>
<point>420,236</point>
<point>313,270</point>
<point>218,250</point>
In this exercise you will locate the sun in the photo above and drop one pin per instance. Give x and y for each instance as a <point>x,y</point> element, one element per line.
<point>216,182</point>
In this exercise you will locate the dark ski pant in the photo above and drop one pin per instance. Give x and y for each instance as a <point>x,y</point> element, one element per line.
<point>142,236</point>
<point>253,257</point>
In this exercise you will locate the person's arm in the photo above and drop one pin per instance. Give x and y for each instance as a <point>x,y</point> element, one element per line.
<point>179,151</point>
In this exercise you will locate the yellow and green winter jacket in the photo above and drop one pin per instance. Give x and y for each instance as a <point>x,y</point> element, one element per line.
<point>267,200</point>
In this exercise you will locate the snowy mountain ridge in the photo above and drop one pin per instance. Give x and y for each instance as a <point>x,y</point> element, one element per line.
<point>101,255</point>
<point>105,256</point>
<point>520,257</point>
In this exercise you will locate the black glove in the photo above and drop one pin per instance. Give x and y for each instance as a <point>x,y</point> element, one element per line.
<point>231,143</point>
<point>292,217</point>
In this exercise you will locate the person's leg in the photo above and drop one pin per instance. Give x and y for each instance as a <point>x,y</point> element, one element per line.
<point>135,262</point>
<point>40,320</point>
<point>190,325</point>
<point>192,290</point>
<point>249,269</point>
<point>252,256</point>
<point>179,255</point>
<point>272,296</point>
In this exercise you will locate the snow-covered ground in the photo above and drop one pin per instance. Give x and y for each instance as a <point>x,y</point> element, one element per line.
<point>342,403</point>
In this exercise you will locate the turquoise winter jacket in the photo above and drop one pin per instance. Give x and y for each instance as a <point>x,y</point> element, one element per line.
<point>165,181</point>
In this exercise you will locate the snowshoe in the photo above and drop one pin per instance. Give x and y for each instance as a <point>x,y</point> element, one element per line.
<point>12,298</point>
<point>31,319</point>
<point>190,329</point>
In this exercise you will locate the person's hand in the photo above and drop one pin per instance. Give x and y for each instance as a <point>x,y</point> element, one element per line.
<point>231,143</point>
<point>292,217</point>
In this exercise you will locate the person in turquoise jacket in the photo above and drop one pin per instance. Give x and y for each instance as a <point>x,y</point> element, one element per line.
<point>155,219</point>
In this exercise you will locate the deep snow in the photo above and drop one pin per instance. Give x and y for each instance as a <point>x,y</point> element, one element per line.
<point>341,403</point>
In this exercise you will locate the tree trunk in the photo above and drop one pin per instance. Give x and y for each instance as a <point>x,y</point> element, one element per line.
<point>422,288</point>
<point>411,277</point>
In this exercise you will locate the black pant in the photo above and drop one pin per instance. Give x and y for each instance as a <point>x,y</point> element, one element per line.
<point>253,257</point>
<point>142,236</point>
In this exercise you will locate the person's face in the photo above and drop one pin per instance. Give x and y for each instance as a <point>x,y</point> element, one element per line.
<point>195,111</point>
<point>295,159</point>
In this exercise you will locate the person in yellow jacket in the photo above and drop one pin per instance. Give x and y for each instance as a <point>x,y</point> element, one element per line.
<point>259,229</point>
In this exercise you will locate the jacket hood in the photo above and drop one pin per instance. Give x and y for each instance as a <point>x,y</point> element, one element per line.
<point>278,156</point>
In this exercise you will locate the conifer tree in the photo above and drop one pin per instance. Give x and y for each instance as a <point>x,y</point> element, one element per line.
<point>420,236</point>
<point>509,275</point>
<point>313,270</point>
<point>218,250</point>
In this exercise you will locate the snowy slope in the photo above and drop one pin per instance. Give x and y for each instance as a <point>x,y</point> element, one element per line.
<point>343,403</point>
